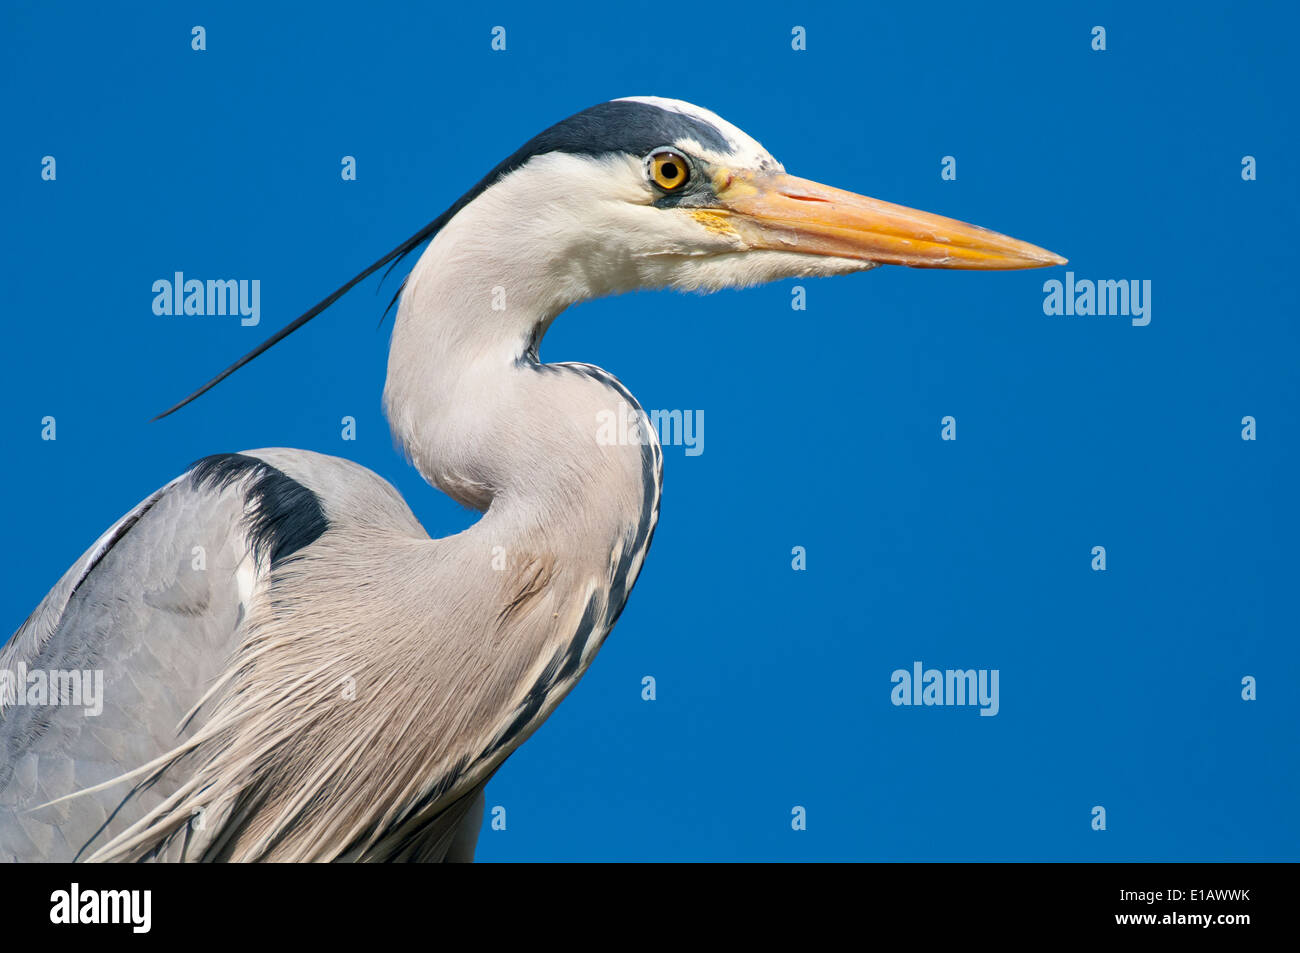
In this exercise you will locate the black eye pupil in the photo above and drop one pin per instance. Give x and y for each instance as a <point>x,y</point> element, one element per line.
<point>670,170</point>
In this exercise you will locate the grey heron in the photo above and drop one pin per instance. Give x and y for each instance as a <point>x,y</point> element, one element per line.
<point>335,685</point>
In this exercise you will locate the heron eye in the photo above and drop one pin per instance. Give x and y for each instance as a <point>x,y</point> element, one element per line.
<point>669,170</point>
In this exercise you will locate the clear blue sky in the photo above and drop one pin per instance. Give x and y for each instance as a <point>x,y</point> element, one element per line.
<point>1119,688</point>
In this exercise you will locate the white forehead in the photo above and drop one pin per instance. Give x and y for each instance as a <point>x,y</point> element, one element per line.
<point>745,152</point>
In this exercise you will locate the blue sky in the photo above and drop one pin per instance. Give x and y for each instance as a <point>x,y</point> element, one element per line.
<point>1119,688</point>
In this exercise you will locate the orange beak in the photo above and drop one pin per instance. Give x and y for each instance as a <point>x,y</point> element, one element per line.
<point>785,213</point>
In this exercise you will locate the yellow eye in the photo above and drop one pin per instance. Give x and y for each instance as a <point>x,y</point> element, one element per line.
<point>669,170</point>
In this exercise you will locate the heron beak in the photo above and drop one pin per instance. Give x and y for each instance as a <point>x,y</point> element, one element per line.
<point>785,213</point>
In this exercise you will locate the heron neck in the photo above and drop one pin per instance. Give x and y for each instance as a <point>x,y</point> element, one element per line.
<point>483,420</point>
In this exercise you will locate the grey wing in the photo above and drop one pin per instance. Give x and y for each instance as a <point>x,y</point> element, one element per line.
<point>143,624</point>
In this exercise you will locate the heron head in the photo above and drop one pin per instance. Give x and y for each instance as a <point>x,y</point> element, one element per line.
<point>650,193</point>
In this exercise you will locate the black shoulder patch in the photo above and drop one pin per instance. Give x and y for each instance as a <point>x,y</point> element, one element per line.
<point>284,516</point>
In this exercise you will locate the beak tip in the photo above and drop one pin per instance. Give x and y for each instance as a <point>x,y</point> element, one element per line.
<point>1048,259</point>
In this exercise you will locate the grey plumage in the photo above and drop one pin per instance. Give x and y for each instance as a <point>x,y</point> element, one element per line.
<point>260,752</point>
